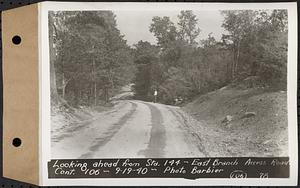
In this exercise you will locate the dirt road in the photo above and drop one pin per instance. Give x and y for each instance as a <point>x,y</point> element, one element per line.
<point>131,129</point>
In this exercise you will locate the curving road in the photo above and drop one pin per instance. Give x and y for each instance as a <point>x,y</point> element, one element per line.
<point>132,129</point>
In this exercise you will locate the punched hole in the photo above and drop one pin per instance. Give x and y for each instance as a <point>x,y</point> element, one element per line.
<point>16,40</point>
<point>17,142</point>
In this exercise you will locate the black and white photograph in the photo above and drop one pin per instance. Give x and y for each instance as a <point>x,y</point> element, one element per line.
<point>145,93</point>
<point>158,84</point>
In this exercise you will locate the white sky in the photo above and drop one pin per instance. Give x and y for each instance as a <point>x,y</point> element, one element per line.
<point>135,24</point>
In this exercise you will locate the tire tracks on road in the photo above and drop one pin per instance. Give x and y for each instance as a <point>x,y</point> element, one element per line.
<point>157,141</point>
<point>101,141</point>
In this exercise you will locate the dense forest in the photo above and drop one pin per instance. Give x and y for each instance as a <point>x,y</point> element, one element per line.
<point>90,59</point>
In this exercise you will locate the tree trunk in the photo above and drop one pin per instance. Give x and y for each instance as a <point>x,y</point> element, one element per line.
<point>111,79</point>
<point>53,87</point>
<point>233,64</point>
<point>91,101</point>
<point>80,94</point>
<point>106,94</point>
<point>228,71</point>
<point>95,83</point>
<point>237,57</point>
<point>63,85</point>
<point>95,94</point>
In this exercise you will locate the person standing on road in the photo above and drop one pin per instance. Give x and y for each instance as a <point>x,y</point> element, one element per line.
<point>155,96</point>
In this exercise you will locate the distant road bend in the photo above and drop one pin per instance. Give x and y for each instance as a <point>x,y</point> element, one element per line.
<point>132,129</point>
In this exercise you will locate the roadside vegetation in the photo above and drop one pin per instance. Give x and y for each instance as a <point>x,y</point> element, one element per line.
<point>90,59</point>
<point>254,48</point>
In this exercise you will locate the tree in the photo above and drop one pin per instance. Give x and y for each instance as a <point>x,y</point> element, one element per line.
<point>188,30</point>
<point>52,35</point>
<point>186,71</point>
<point>272,43</point>
<point>239,24</point>
<point>258,40</point>
<point>148,71</point>
<point>93,59</point>
<point>164,30</point>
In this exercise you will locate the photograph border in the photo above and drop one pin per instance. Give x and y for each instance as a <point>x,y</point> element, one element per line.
<point>44,84</point>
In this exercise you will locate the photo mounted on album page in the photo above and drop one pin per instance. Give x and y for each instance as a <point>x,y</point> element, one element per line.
<point>168,93</point>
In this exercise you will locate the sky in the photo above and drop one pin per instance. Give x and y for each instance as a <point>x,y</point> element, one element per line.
<point>134,25</point>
